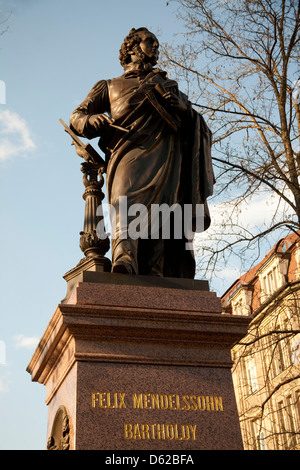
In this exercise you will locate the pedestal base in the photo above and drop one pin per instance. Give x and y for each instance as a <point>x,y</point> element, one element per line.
<point>132,365</point>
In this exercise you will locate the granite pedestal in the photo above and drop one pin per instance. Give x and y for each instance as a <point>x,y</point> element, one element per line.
<point>139,363</point>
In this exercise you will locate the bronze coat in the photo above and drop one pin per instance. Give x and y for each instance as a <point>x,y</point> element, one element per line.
<point>163,159</point>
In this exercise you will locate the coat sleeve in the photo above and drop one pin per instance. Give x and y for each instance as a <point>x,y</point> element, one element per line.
<point>96,102</point>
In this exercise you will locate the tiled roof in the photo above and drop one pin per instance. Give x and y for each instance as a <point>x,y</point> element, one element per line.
<point>282,246</point>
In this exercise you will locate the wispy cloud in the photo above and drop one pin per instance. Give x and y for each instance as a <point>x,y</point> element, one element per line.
<point>15,136</point>
<point>252,212</point>
<point>28,342</point>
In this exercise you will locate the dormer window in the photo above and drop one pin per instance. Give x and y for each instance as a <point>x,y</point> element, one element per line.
<point>241,300</point>
<point>272,275</point>
<point>238,307</point>
<point>270,281</point>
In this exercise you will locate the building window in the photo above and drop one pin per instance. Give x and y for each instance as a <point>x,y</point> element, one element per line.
<point>287,343</point>
<point>252,442</point>
<point>257,436</point>
<point>251,375</point>
<point>291,418</point>
<point>272,276</point>
<point>282,426</point>
<point>261,442</point>
<point>295,350</point>
<point>280,352</point>
<point>288,422</point>
<point>241,301</point>
<point>270,281</point>
<point>238,307</point>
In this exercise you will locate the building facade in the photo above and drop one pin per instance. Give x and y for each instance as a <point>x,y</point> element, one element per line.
<point>266,371</point>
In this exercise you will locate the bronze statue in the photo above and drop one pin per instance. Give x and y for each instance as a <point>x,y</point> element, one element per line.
<point>157,151</point>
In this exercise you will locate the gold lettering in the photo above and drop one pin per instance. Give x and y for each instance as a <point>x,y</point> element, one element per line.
<point>146,399</point>
<point>218,403</point>
<point>210,403</point>
<point>201,403</point>
<point>177,438</point>
<point>193,398</point>
<point>152,401</point>
<point>164,402</point>
<point>94,398</point>
<point>122,400</point>
<point>155,401</point>
<point>178,404</point>
<point>187,404</point>
<point>193,429</point>
<point>185,432</point>
<point>160,431</point>
<point>109,405</point>
<point>137,400</point>
<point>102,400</point>
<point>145,431</point>
<point>128,431</point>
<point>136,432</point>
<point>169,431</point>
<point>171,402</point>
<point>160,428</point>
<point>152,426</point>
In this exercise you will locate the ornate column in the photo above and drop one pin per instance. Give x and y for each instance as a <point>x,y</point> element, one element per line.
<point>93,244</point>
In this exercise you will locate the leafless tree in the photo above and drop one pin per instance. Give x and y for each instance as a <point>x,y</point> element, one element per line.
<point>239,62</point>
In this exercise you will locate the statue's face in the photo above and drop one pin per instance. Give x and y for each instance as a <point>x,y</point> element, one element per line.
<point>149,45</point>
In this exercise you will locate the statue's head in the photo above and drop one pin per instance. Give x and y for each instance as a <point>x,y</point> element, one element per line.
<point>139,46</point>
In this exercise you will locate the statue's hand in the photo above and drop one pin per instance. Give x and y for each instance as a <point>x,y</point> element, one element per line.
<point>100,122</point>
<point>175,102</point>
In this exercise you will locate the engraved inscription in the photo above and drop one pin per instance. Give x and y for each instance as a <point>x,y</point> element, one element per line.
<point>158,401</point>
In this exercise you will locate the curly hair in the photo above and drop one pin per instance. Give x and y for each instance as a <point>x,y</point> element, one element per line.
<point>131,42</point>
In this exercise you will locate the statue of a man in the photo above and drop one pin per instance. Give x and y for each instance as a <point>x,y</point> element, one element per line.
<point>164,158</point>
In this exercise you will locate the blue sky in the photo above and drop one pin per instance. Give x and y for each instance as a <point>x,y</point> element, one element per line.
<point>50,57</point>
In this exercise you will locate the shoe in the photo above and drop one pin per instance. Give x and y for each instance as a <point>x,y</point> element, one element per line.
<point>120,268</point>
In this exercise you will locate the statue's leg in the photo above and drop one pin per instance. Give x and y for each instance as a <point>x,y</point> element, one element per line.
<point>124,256</point>
<point>151,257</point>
